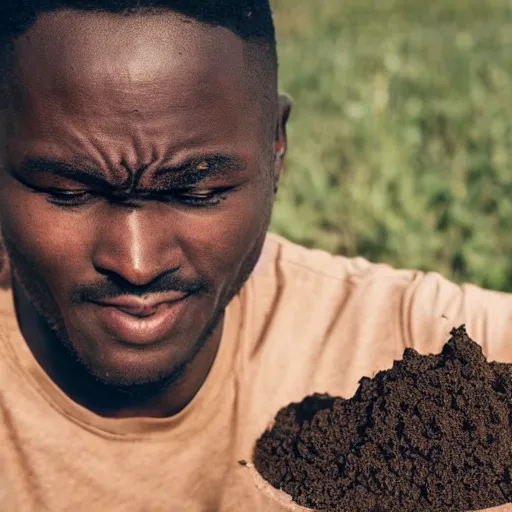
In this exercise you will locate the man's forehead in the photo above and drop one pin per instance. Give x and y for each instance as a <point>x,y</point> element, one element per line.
<point>92,48</point>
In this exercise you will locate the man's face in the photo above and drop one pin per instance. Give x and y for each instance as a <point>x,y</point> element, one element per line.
<point>138,165</point>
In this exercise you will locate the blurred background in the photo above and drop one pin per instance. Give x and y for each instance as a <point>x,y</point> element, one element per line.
<point>400,141</point>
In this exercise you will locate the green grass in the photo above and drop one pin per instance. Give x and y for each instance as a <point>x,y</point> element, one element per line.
<point>400,142</point>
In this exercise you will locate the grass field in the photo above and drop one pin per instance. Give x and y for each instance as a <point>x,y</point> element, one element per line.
<point>401,135</point>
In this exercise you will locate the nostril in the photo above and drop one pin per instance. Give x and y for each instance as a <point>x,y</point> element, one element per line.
<point>127,277</point>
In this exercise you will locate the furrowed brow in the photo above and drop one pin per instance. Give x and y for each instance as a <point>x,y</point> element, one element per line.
<point>196,170</point>
<point>187,174</point>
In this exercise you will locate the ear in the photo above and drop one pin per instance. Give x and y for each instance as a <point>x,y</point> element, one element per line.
<point>281,143</point>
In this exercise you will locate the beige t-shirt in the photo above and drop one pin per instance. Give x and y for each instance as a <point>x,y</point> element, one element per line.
<point>305,322</point>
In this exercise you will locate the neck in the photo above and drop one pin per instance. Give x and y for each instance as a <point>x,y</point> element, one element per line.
<point>152,400</point>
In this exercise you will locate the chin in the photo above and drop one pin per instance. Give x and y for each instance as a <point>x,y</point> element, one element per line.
<point>130,379</point>
<point>131,383</point>
<point>126,367</point>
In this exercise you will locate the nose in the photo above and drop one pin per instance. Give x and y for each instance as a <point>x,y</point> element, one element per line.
<point>135,245</point>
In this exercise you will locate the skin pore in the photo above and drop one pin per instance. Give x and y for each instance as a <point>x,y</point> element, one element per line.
<point>139,159</point>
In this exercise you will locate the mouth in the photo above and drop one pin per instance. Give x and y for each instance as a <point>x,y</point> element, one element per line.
<point>142,307</point>
<point>137,322</point>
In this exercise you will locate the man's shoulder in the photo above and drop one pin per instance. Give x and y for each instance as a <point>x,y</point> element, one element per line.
<point>310,288</point>
<point>307,264</point>
<point>302,297</point>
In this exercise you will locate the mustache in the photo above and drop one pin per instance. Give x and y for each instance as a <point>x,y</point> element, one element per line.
<point>116,286</point>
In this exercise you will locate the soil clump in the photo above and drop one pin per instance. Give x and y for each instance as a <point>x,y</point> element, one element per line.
<point>433,433</point>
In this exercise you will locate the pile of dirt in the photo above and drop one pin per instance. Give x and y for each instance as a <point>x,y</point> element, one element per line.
<point>432,433</point>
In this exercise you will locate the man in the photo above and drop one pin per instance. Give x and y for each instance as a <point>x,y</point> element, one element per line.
<point>151,328</point>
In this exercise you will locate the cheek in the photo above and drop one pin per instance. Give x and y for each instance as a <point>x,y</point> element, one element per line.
<point>38,236</point>
<point>224,241</point>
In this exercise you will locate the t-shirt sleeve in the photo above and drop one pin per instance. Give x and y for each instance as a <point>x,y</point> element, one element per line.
<point>432,306</point>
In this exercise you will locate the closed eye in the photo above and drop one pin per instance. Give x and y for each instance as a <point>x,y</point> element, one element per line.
<point>69,197</point>
<point>81,197</point>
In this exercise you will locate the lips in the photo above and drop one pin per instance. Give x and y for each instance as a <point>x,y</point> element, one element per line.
<point>139,307</point>
<point>138,322</point>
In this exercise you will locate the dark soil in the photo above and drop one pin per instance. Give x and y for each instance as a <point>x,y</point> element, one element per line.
<point>432,433</point>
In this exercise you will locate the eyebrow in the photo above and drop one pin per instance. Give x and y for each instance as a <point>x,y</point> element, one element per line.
<point>186,174</point>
